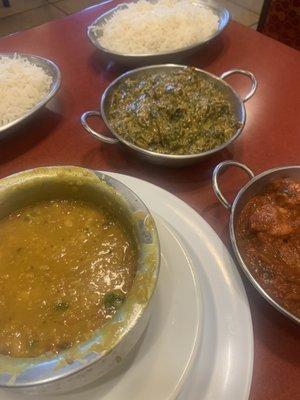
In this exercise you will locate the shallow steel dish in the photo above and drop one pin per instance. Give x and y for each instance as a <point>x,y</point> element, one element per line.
<point>89,360</point>
<point>149,58</point>
<point>52,70</point>
<point>253,187</point>
<point>171,159</point>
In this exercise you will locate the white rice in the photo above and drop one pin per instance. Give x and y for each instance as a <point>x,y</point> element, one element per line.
<point>163,26</point>
<point>22,86</point>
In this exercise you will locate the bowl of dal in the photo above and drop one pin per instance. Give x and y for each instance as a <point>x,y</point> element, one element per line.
<point>79,262</point>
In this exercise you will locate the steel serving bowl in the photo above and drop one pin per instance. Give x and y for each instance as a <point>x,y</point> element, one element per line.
<point>171,160</point>
<point>255,186</point>
<point>85,362</point>
<point>94,32</point>
<point>52,70</point>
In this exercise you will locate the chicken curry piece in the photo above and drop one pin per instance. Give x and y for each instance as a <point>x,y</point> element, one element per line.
<point>65,268</point>
<point>268,238</point>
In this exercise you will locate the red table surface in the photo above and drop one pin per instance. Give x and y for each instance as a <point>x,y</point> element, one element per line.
<point>271,138</point>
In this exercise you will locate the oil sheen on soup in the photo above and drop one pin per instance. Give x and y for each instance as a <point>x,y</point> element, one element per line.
<point>65,268</point>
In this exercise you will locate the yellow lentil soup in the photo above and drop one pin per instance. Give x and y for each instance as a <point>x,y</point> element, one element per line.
<point>65,268</point>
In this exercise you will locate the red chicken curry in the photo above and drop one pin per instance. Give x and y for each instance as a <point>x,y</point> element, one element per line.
<point>268,238</point>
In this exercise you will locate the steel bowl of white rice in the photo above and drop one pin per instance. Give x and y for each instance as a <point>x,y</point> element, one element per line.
<point>156,31</point>
<point>27,83</point>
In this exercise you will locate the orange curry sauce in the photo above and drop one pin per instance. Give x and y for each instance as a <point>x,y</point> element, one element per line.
<point>268,238</point>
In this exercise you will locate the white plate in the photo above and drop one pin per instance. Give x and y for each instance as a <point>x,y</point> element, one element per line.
<point>170,361</point>
<point>223,370</point>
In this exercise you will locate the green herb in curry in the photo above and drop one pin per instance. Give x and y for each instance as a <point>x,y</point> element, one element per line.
<point>175,112</point>
<point>61,306</point>
<point>113,300</point>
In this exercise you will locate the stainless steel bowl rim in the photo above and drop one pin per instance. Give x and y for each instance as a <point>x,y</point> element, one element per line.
<point>233,207</point>
<point>55,86</point>
<point>213,7</point>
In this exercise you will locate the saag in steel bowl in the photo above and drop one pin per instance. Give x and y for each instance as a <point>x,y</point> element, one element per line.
<point>172,114</point>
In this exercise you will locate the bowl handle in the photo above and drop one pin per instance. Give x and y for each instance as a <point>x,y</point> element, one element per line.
<point>215,183</point>
<point>97,135</point>
<point>246,73</point>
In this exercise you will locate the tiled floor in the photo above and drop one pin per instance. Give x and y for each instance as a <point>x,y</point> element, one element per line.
<point>24,14</point>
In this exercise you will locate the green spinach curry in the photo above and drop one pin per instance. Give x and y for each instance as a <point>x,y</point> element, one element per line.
<point>175,112</point>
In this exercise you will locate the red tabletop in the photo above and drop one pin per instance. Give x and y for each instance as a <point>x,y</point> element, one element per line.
<point>271,138</point>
